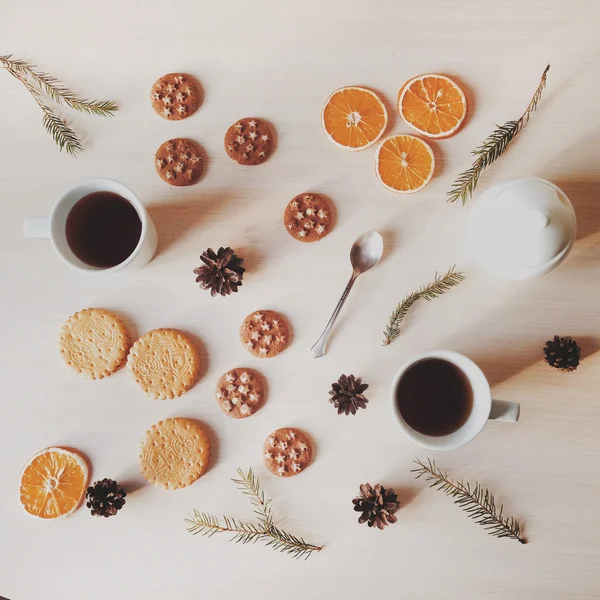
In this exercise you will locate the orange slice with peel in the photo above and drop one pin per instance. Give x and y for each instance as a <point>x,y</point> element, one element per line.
<point>404,164</point>
<point>53,483</point>
<point>354,118</point>
<point>433,105</point>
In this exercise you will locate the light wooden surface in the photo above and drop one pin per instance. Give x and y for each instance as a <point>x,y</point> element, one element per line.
<point>280,60</point>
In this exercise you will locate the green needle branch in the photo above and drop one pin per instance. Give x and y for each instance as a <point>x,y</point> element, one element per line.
<point>492,148</point>
<point>243,532</point>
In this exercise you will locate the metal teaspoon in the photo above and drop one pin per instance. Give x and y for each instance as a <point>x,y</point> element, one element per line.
<point>364,255</point>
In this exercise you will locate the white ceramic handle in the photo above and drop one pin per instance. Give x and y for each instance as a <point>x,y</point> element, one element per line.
<point>505,411</point>
<point>36,227</point>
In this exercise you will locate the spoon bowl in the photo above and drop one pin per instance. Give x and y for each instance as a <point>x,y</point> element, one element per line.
<point>366,252</point>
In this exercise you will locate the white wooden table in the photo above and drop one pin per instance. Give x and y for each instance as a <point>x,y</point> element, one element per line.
<point>280,60</point>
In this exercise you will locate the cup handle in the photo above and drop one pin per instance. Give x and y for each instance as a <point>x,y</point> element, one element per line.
<point>505,411</point>
<point>36,227</point>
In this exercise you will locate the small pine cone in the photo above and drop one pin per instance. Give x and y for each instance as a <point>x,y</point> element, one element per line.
<point>347,394</point>
<point>105,498</point>
<point>221,273</point>
<point>377,505</point>
<point>562,353</point>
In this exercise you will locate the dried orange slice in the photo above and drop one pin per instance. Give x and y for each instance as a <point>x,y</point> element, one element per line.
<point>354,118</point>
<point>404,163</point>
<point>434,105</point>
<point>53,483</point>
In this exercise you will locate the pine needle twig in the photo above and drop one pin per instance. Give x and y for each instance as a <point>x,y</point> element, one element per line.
<point>38,83</point>
<point>477,501</point>
<point>492,148</point>
<point>440,285</point>
<point>265,530</point>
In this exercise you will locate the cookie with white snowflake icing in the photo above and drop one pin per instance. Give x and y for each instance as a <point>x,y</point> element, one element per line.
<point>240,392</point>
<point>179,162</point>
<point>308,217</point>
<point>287,452</point>
<point>175,96</point>
<point>265,333</point>
<point>249,141</point>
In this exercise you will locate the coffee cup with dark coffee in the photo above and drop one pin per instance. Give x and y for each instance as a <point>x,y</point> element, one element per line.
<point>442,400</point>
<point>98,226</point>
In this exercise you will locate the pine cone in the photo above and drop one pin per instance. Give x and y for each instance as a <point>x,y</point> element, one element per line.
<point>221,273</point>
<point>347,394</point>
<point>105,498</point>
<point>562,353</point>
<point>377,505</point>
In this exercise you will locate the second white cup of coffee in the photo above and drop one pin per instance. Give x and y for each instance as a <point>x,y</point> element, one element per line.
<point>143,245</point>
<point>444,415</point>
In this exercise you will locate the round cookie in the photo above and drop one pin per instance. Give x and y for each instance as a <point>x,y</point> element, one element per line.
<point>179,162</point>
<point>240,392</point>
<point>308,217</point>
<point>165,363</point>
<point>287,452</point>
<point>174,453</point>
<point>175,96</point>
<point>265,333</point>
<point>94,342</point>
<point>249,141</point>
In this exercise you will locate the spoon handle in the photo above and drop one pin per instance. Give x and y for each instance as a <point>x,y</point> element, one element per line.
<point>318,349</point>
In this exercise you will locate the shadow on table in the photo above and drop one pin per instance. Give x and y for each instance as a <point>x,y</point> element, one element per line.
<point>174,220</point>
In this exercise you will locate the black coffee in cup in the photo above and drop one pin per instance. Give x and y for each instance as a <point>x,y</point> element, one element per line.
<point>103,229</point>
<point>434,397</point>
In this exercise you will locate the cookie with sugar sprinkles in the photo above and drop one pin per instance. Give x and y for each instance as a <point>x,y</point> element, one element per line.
<point>240,392</point>
<point>175,96</point>
<point>287,452</point>
<point>179,162</point>
<point>174,453</point>
<point>249,141</point>
<point>94,342</point>
<point>165,363</point>
<point>308,217</point>
<point>265,333</point>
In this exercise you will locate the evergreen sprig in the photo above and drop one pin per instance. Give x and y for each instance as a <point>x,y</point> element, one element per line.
<point>492,148</point>
<point>38,83</point>
<point>477,501</point>
<point>440,285</point>
<point>243,532</point>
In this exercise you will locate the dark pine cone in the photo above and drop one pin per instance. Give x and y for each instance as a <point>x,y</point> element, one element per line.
<point>562,353</point>
<point>221,273</point>
<point>377,505</point>
<point>105,498</point>
<point>347,394</point>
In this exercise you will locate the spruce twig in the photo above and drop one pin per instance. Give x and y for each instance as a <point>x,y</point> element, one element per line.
<point>265,530</point>
<point>38,83</point>
<point>492,148</point>
<point>440,285</point>
<point>477,501</point>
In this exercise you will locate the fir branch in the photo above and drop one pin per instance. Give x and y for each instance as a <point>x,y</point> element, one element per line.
<point>56,90</point>
<point>477,501</point>
<point>492,148</point>
<point>249,533</point>
<point>440,285</point>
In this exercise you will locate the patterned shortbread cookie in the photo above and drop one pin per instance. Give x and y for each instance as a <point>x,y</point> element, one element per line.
<point>179,162</point>
<point>174,453</point>
<point>308,217</point>
<point>94,342</point>
<point>265,333</point>
<point>240,392</point>
<point>165,363</point>
<point>249,141</point>
<point>287,452</point>
<point>175,96</point>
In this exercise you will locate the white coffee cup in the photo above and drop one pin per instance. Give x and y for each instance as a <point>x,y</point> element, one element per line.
<point>54,226</point>
<point>484,408</point>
